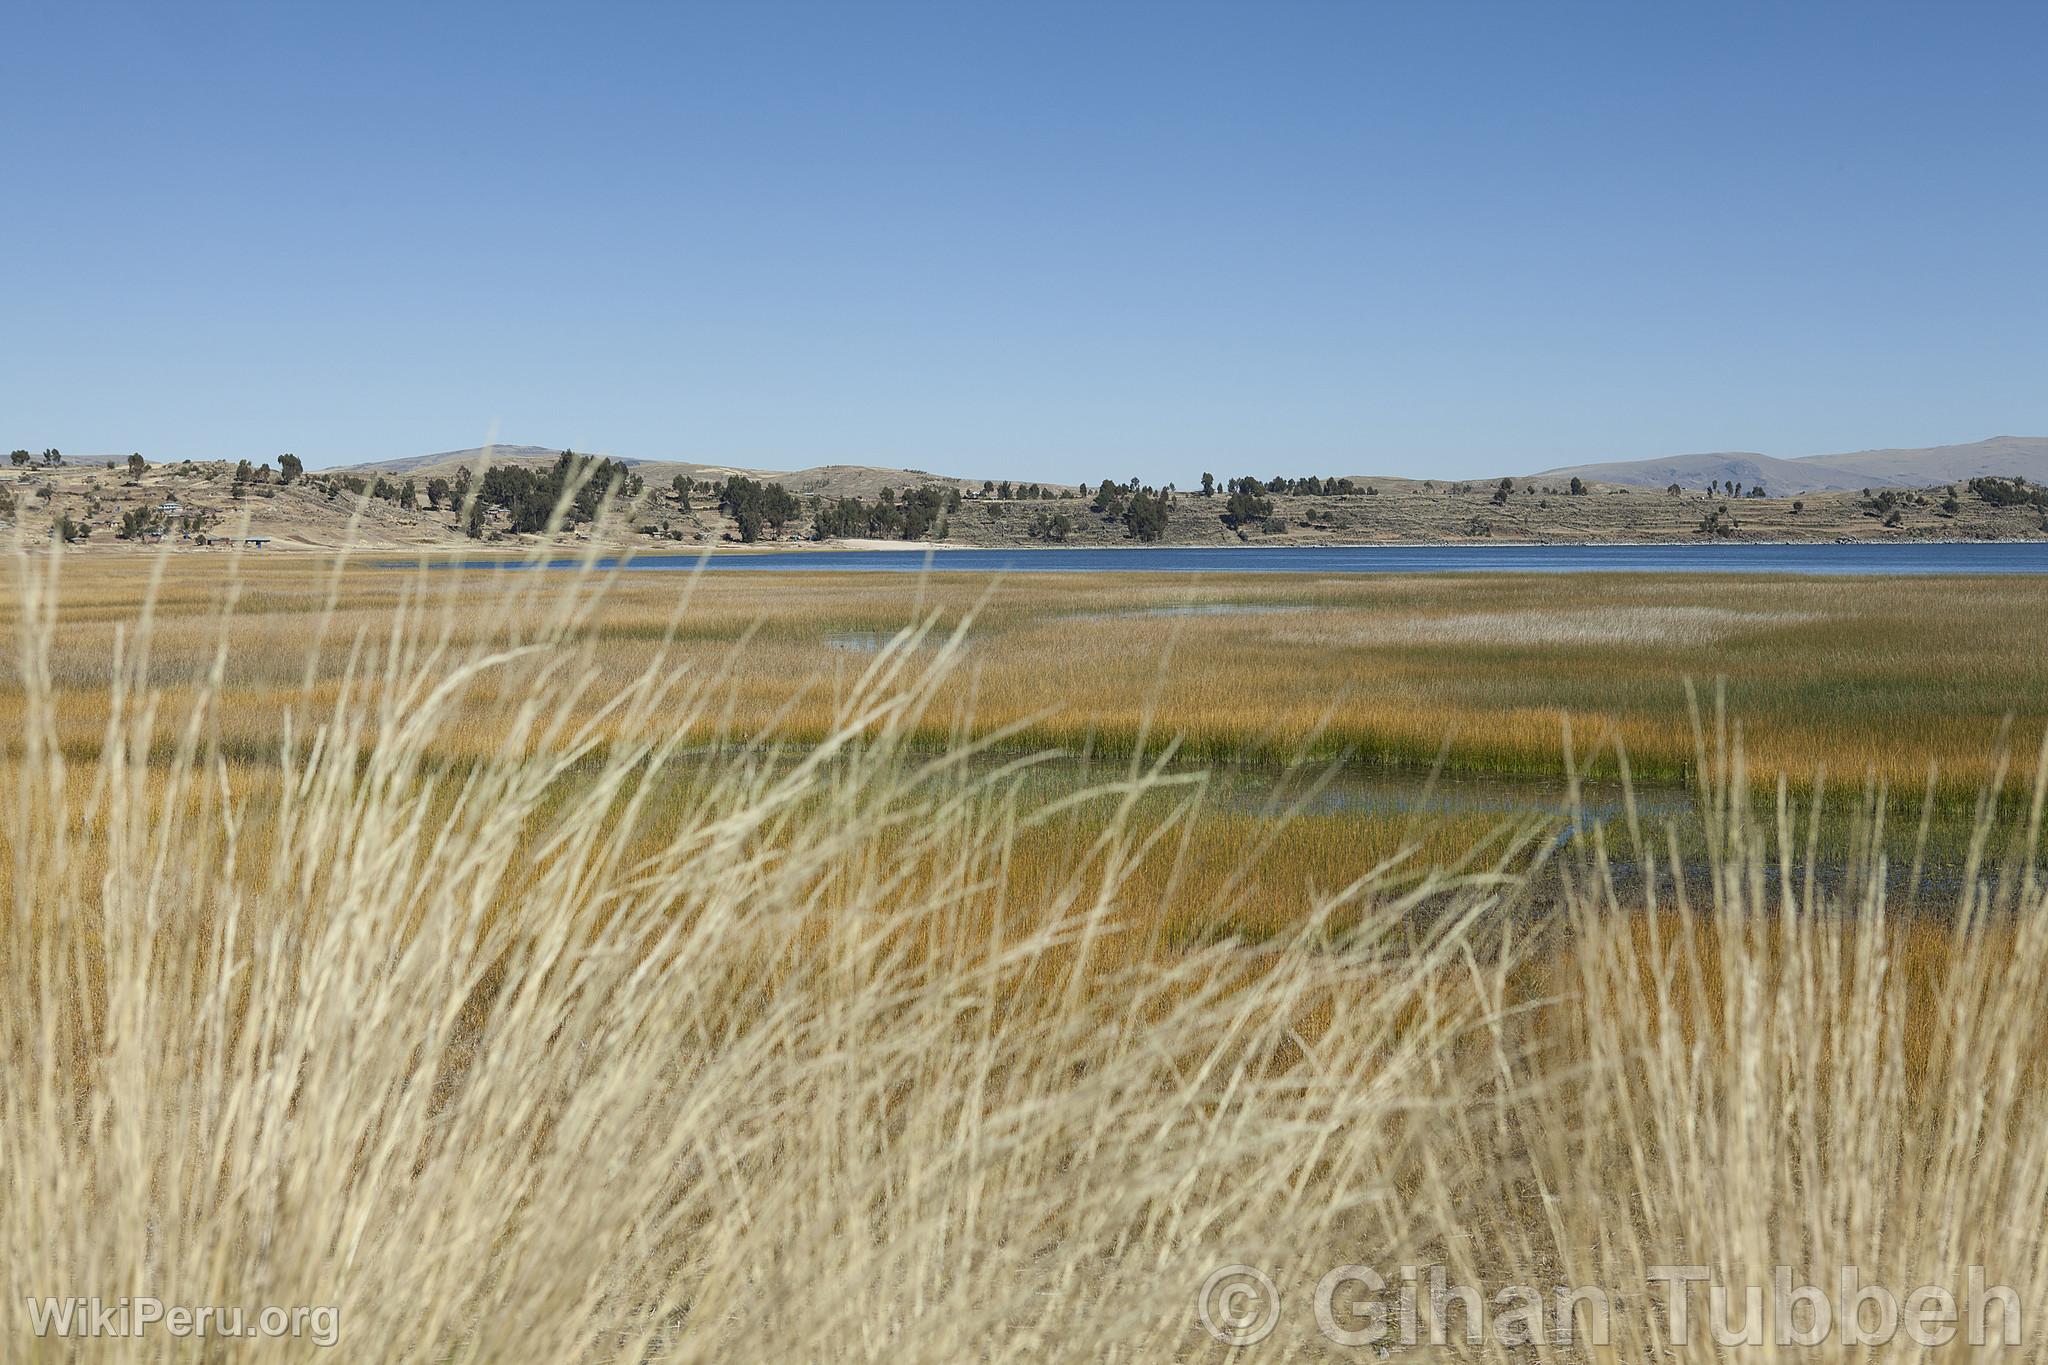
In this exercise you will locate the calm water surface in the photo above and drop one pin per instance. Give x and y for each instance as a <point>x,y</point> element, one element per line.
<point>2028,558</point>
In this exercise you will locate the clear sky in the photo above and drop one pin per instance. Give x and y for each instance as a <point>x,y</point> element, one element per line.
<point>1032,239</point>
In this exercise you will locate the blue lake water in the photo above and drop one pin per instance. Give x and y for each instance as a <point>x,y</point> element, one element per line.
<point>1904,558</point>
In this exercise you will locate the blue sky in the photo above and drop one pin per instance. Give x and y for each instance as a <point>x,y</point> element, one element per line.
<point>1037,240</point>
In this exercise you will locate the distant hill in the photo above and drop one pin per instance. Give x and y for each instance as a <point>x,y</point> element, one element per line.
<point>833,480</point>
<point>317,512</point>
<point>1698,471</point>
<point>2026,456</point>
<point>455,459</point>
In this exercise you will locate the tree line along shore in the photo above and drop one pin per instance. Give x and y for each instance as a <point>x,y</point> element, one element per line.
<point>203,504</point>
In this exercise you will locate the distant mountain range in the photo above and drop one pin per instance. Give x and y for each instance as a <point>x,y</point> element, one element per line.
<point>2026,456</point>
<point>835,480</point>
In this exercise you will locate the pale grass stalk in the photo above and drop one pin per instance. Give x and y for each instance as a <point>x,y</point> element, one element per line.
<point>615,1033</point>
<point>592,1049</point>
<point>1784,1076</point>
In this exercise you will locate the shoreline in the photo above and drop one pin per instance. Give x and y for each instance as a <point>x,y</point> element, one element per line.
<point>864,546</point>
<point>737,550</point>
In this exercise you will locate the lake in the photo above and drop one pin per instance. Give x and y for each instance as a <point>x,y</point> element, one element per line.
<point>1904,558</point>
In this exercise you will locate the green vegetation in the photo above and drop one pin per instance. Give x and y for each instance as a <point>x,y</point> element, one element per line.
<point>754,505</point>
<point>918,514</point>
<point>1248,504</point>
<point>1144,513</point>
<point>530,498</point>
<point>1309,486</point>
<point>1022,492</point>
<point>138,522</point>
<point>1053,527</point>
<point>2010,492</point>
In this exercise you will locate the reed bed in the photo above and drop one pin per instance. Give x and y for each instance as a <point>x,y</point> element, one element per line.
<point>526,993</point>
<point>1854,677</point>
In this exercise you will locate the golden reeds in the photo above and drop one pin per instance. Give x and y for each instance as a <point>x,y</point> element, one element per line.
<point>524,991</point>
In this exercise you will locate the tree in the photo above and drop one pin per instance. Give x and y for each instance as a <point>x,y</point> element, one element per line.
<point>408,496</point>
<point>1578,487</point>
<point>1109,500</point>
<point>1145,515</point>
<point>1798,505</point>
<point>437,493</point>
<point>1247,504</point>
<point>753,505</point>
<point>2015,492</point>
<point>923,510</point>
<point>1054,527</point>
<point>1500,494</point>
<point>20,458</point>
<point>53,456</point>
<point>289,467</point>
<point>136,523</point>
<point>530,497</point>
<point>846,517</point>
<point>918,513</point>
<point>137,466</point>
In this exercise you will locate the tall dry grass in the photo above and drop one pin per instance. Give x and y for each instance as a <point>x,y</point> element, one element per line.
<point>505,1069</point>
<point>1757,1074</point>
<point>612,1042</point>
